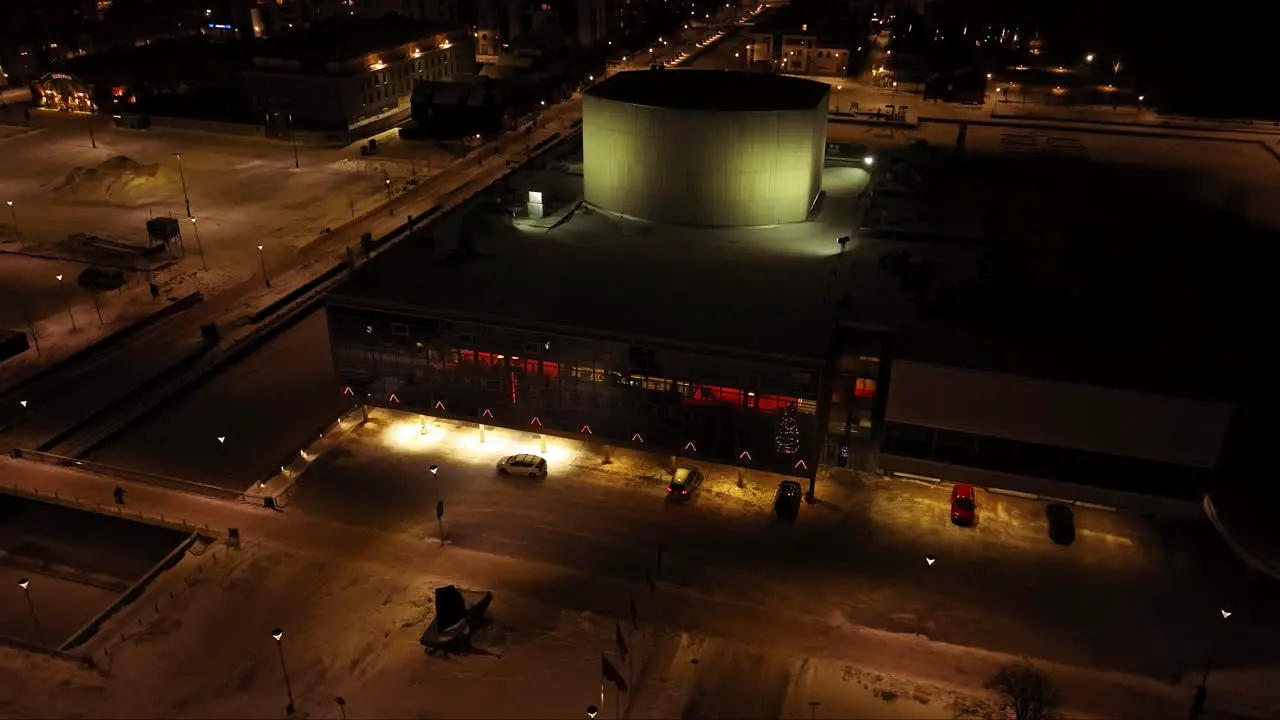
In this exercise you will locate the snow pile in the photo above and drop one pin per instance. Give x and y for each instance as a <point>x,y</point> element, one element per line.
<point>121,180</point>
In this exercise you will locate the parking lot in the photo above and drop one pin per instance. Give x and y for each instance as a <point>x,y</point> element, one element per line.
<point>857,555</point>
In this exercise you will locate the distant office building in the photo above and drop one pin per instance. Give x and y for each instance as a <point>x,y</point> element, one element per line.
<point>346,74</point>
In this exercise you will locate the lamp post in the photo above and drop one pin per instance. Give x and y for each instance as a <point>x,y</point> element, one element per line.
<point>66,295</point>
<point>435,476</point>
<point>14,214</point>
<point>1202,691</point>
<point>203,263</point>
<point>24,583</point>
<point>263,259</point>
<point>293,138</point>
<point>92,140</point>
<point>278,635</point>
<point>183,178</point>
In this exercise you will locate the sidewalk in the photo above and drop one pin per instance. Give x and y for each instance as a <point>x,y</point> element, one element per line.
<point>790,629</point>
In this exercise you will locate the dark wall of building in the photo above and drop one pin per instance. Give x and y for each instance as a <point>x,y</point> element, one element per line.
<point>664,399</point>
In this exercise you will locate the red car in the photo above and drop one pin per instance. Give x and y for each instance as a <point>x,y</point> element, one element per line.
<point>964,507</point>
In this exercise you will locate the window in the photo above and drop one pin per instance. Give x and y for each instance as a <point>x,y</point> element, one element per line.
<point>399,329</point>
<point>865,387</point>
<point>532,348</point>
<point>466,339</point>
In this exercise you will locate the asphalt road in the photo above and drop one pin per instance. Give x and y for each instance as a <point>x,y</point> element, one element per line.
<point>1109,602</point>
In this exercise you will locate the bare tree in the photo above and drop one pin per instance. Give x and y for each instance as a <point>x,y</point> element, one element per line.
<point>1026,691</point>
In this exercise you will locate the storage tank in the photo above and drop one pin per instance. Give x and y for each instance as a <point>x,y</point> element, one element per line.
<point>704,147</point>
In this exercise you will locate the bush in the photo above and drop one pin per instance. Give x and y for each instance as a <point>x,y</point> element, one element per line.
<point>1026,691</point>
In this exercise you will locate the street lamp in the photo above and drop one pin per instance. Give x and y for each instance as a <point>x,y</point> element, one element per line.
<point>24,583</point>
<point>1202,691</point>
<point>293,137</point>
<point>592,711</point>
<point>435,470</point>
<point>1088,58</point>
<point>183,178</point>
<point>263,259</point>
<point>278,635</point>
<point>203,263</point>
<point>66,295</point>
<point>868,161</point>
<point>14,214</point>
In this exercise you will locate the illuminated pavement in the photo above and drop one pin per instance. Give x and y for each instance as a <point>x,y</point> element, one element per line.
<point>858,555</point>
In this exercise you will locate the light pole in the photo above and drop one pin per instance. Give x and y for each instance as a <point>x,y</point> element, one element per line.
<point>1202,691</point>
<point>92,140</point>
<point>263,259</point>
<point>14,214</point>
<point>24,583</point>
<point>278,635</point>
<point>66,295</point>
<point>203,263</point>
<point>293,138</point>
<point>183,178</point>
<point>435,469</point>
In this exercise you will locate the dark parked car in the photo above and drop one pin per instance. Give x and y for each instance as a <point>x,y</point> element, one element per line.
<point>1062,523</point>
<point>96,277</point>
<point>684,481</point>
<point>786,502</point>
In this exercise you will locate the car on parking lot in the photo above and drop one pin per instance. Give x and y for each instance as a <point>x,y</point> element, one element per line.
<point>97,277</point>
<point>683,482</point>
<point>964,505</point>
<point>530,465</point>
<point>1062,523</point>
<point>786,501</point>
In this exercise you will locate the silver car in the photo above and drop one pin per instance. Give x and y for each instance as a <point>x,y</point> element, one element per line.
<point>528,465</point>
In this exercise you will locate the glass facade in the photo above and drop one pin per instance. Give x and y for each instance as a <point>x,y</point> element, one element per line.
<point>661,397</point>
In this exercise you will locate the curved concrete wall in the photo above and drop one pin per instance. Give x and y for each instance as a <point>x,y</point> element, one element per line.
<point>702,168</point>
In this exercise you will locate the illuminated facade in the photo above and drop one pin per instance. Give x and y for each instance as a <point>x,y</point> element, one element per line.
<point>662,397</point>
<point>705,148</point>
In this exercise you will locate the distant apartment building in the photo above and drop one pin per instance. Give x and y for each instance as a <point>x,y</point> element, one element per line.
<point>816,37</point>
<point>272,18</point>
<point>573,22</point>
<point>342,75</point>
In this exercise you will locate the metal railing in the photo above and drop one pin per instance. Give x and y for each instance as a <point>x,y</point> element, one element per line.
<point>163,481</point>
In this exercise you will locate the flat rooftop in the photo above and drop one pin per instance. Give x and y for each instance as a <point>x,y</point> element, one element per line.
<point>342,39</point>
<point>769,290</point>
<point>712,90</point>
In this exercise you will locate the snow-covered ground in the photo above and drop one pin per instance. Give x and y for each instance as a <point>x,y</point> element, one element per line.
<point>351,632</point>
<point>565,558</point>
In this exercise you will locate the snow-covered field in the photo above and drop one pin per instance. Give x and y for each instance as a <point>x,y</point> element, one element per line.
<point>199,645</point>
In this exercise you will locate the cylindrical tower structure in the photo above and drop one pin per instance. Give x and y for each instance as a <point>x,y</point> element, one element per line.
<point>705,147</point>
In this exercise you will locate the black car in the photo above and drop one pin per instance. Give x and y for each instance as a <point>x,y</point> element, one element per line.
<point>786,502</point>
<point>1062,524</point>
<point>96,277</point>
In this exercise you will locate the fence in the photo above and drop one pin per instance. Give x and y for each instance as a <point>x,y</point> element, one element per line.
<point>145,478</point>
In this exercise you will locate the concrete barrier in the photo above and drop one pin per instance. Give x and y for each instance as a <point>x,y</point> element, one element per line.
<point>110,341</point>
<point>145,478</point>
<point>134,592</point>
<point>295,294</point>
<point>1103,498</point>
